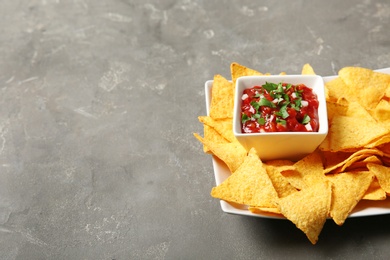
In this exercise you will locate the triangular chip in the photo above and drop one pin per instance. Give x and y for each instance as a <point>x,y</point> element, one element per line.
<point>280,183</point>
<point>385,148</point>
<point>344,163</point>
<point>382,112</point>
<point>350,132</point>
<point>362,165</point>
<point>336,89</point>
<point>222,98</point>
<point>281,165</point>
<point>232,154</point>
<point>379,141</point>
<point>382,173</point>
<point>308,209</point>
<point>258,210</point>
<point>212,136</point>
<point>312,166</point>
<point>348,190</point>
<point>375,191</point>
<point>364,85</point>
<point>223,126</point>
<point>238,70</point>
<point>307,69</point>
<point>249,185</point>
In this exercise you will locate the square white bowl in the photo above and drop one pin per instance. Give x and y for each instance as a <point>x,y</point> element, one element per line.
<point>281,145</point>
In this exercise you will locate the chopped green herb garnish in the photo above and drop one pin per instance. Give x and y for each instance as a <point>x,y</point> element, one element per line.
<point>270,86</point>
<point>283,111</point>
<point>255,105</point>
<point>280,88</point>
<point>298,103</point>
<point>298,93</point>
<point>266,102</point>
<point>244,118</point>
<point>306,119</point>
<point>281,121</point>
<point>261,121</point>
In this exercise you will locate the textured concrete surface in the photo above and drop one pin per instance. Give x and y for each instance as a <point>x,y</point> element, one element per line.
<point>98,103</point>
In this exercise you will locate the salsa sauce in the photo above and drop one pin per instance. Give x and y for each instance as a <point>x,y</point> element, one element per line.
<point>279,107</point>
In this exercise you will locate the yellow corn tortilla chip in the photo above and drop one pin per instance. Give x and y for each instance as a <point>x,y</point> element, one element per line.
<point>308,208</point>
<point>258,210</point>
<point>382,173</point>
<point>385,148</point>
<point>249,185</point>
<point>334,160</point>
<point>223,126</point>
<point>295,178</point>
<point>281,165</point>
<point>232,154</point>
<point>307,69</point>
<point>348,190</point>
<point>222,98</point>
<point>375,191</point>
<point>362,165</point>
<point>238,70</point>
<point>280,183</point>
<point>336,89</point>
<point>311,165</point>
<point>347,132</point>
<point>377,142</point>
<point>352,158</point>
<point>364,85</point>
<point>336,109</point>
<point>212,136</point>
<point>382,112</point>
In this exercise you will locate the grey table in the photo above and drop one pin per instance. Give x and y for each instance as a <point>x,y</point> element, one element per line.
<point>99,100</point>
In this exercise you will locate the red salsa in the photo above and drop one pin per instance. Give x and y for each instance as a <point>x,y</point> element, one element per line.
<point>279,107</point>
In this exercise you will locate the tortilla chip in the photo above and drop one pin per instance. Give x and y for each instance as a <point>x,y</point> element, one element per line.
<point>223,126</point>
<point>377,142</point>
<point>336,90</point>
<point>280,183</point>
<point>212,136</point>
<point>295,178</point>
<point>258,210</point>
<point>238,70</point>
<point>312,166</point>
<point>335,108</point>
<point>362,164</point>
<point>385,148</point>
<point>222,98</point>
<point>348,190</point>
<point>308,70</point>
<point>281,165</point>
<point>249,185</point>
<point>382,173</point>
<point>352,158</point>
<point>334,160</point>
<point>382,112</point>
<point>364,85</point>
<point>347,132</point>
<point>375,191</point>
<point>232,154</point>
<point>308,209</point>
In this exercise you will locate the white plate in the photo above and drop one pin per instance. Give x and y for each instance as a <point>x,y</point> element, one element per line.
<point>221,172</point>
